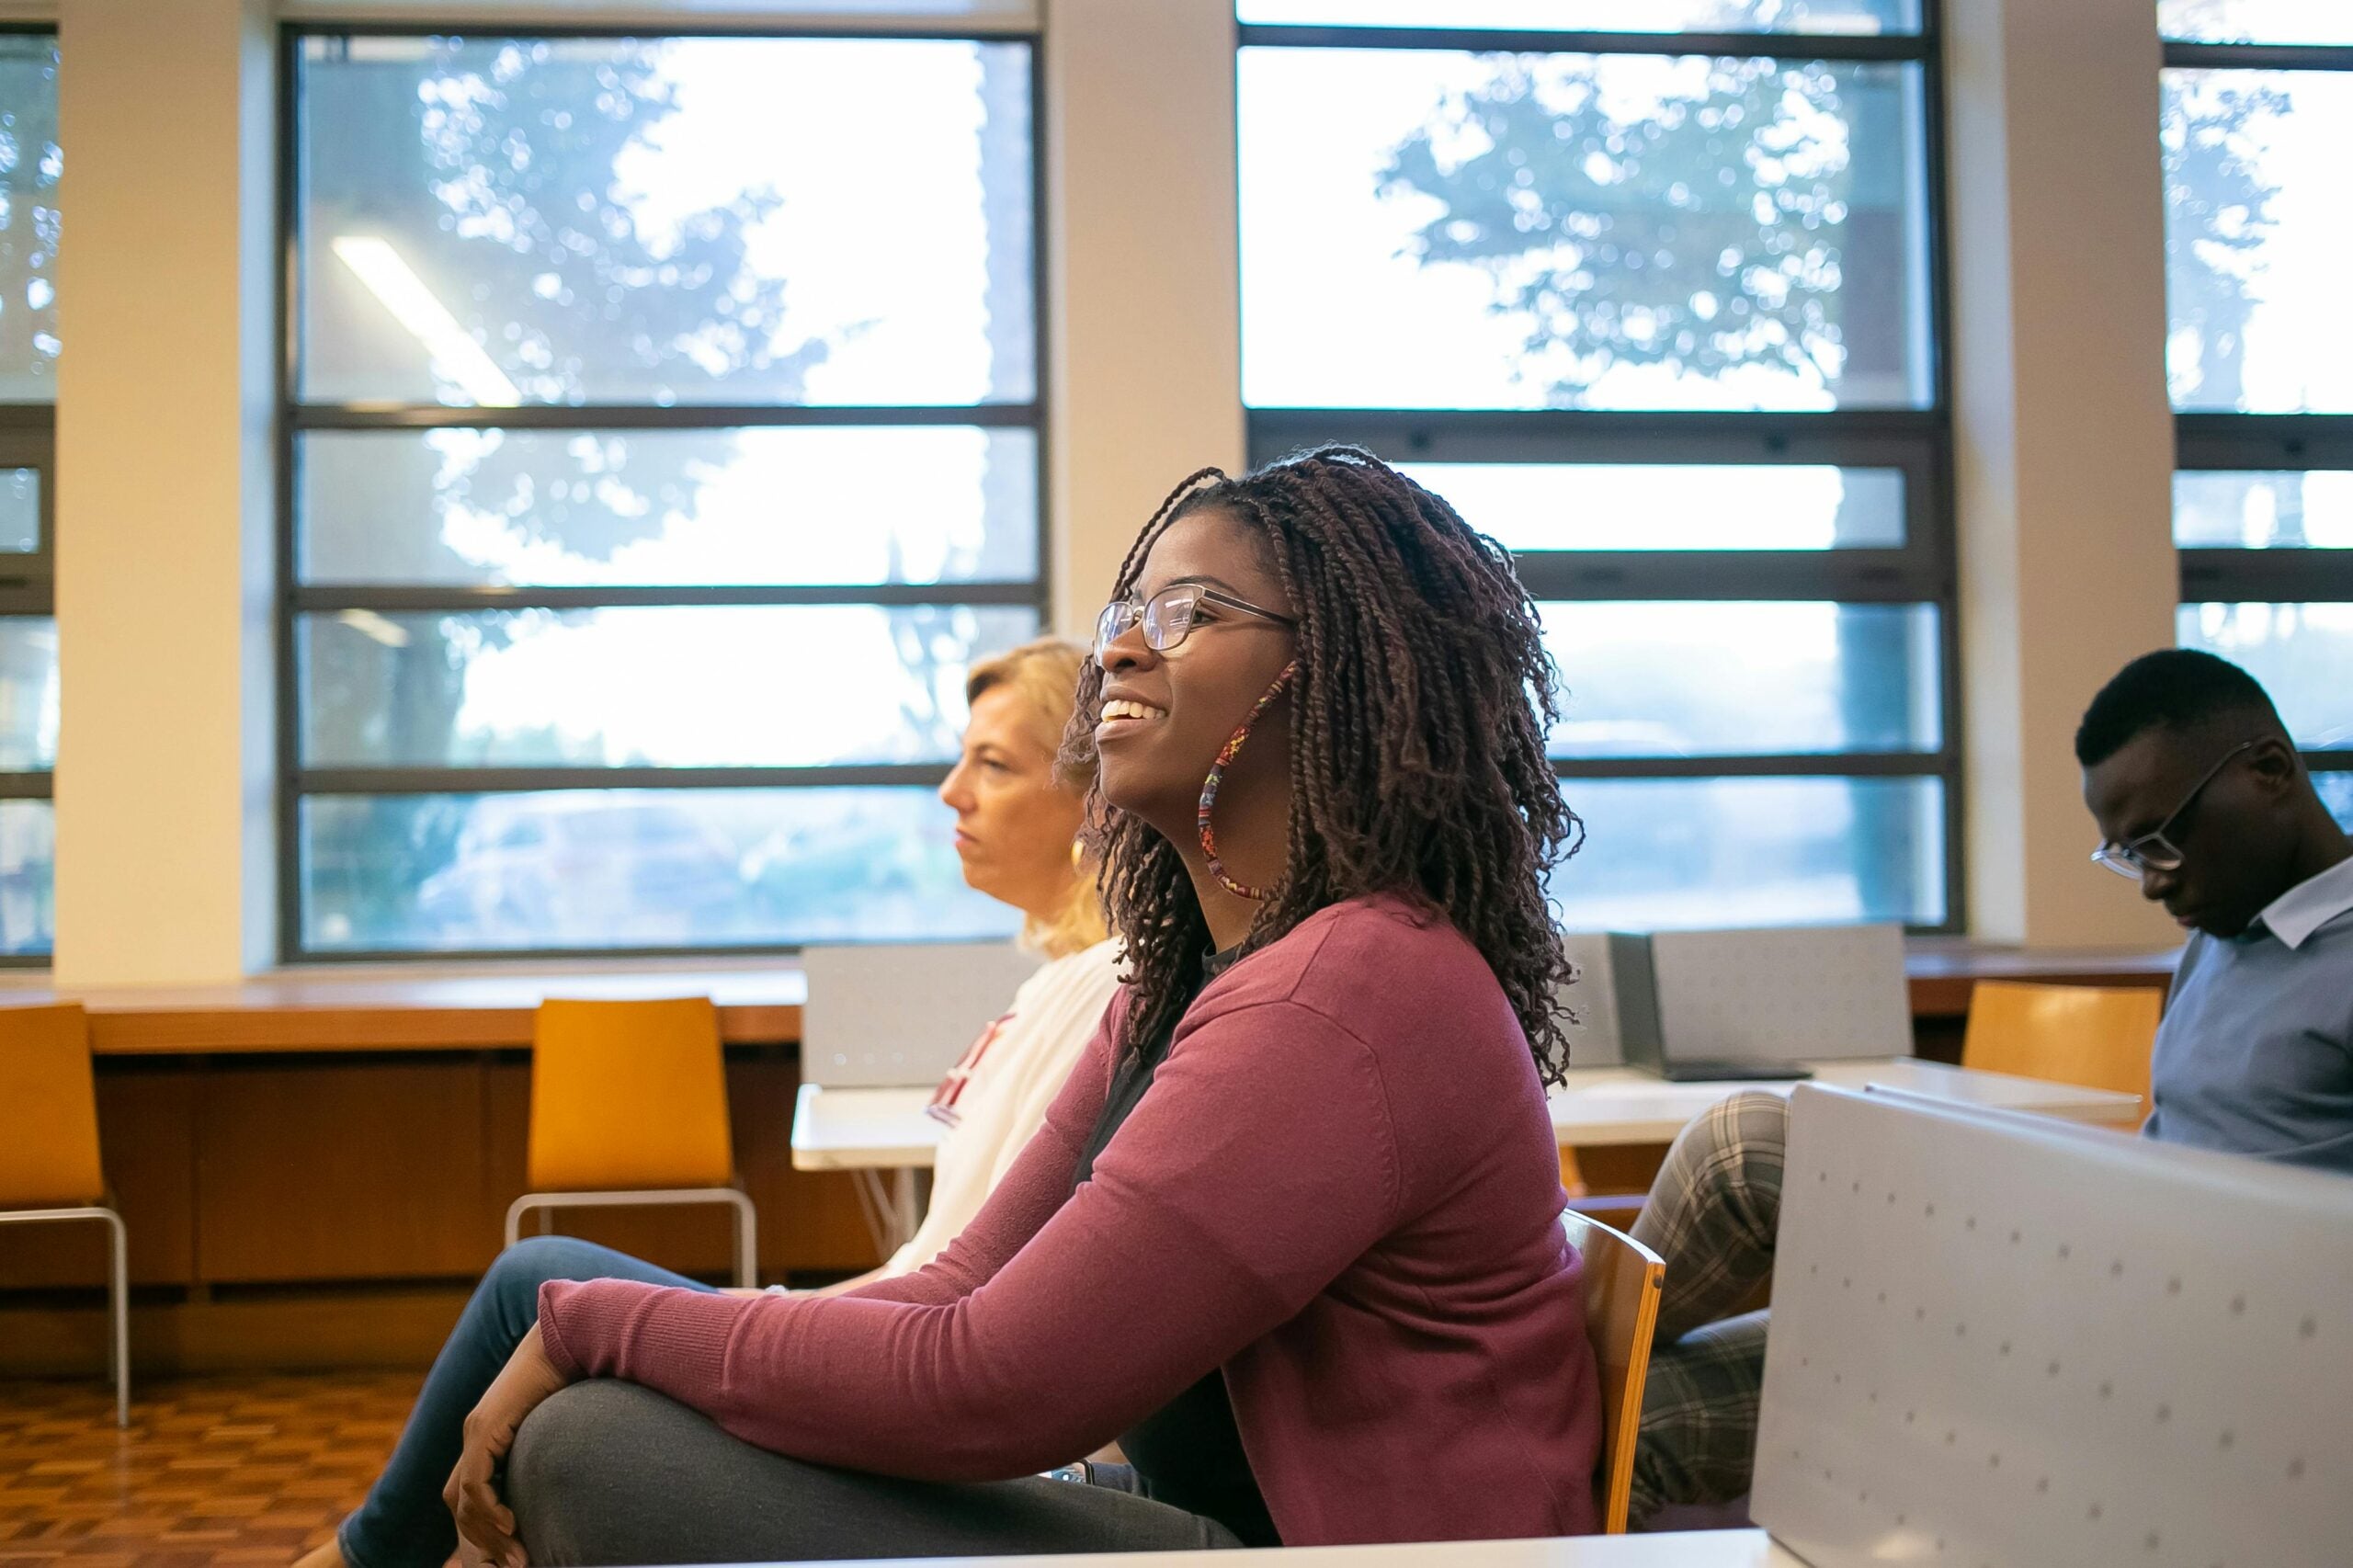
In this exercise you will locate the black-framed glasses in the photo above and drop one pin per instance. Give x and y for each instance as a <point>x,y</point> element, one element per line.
<point>2157,851</point>
<point>1168,616</point>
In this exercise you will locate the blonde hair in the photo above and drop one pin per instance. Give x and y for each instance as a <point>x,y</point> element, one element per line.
<point>1044,674</point>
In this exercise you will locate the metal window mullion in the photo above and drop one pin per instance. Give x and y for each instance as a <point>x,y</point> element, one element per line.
<point>2331,760</point>
<point>312,958</point>
<point>2268,576</point>
<point>391,598</point>
<point>2262,441</point>
<point>1833,47</point>
<point>2258,57</point>
<point>1854,437</point>
<point>1861,576</point>
<point>29,439</point>
<point>308,19</point>
<point>394,415</point>
<point>26,784</point>
<point>453,781</point>
<point>287,365</point>
<point>1806,765</point>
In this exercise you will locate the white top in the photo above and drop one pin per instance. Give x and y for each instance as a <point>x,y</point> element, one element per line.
<point>1601,1106</point>
<point>1010,1075</point>
<point>2310,905</point>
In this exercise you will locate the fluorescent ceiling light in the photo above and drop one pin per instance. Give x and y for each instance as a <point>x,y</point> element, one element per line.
<point>457,357</point>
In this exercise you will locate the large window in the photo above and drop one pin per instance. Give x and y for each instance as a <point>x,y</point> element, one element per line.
<point>1661,313</point>
<point>662,442</point>
<point>2258,112</point>
<point>31,174</point>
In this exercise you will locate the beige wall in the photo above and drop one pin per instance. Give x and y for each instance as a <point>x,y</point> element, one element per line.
<point>2064,437</point>
<point>162,493</point>
<point>165,510</point>
<point>1144,336</point>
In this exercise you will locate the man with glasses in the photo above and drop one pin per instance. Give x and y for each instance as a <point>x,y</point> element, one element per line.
<point>2204,801</point>
<point>2201,798</point>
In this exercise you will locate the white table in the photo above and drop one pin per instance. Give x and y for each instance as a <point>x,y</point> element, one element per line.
<point>1602,1106</point>
<point>868,1132</point>
<point>1698,1549</point>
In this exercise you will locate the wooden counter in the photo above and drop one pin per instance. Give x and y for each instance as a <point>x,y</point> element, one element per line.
<point>421,1009</point>
<point>1943,970</point>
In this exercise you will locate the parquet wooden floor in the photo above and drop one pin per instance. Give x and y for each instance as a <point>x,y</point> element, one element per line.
<point>213,1472</point>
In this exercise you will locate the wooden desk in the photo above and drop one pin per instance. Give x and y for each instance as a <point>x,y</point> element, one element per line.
<point>1943,970</point>
<point>1698,1549</point>
<point>476,1008</point>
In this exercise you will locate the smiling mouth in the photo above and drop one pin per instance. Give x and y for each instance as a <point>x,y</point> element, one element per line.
<point>1119,710</point>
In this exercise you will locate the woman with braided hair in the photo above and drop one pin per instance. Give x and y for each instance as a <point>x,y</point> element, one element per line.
<point>1291,1232</point>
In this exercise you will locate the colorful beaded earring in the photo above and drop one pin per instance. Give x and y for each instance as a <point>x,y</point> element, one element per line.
<point>1232,749</point>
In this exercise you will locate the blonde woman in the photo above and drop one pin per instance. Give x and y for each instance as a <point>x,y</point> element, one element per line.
<point>1017,827</point>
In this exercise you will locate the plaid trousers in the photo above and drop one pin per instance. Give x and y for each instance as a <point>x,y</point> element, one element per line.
<point>1712,1214</point>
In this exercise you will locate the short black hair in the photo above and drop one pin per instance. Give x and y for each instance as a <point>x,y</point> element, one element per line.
<point>2179,688</point>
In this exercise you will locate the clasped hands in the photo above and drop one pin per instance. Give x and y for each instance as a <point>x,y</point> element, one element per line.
<point>487,1525</point>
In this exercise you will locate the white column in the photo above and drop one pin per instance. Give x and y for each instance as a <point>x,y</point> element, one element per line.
<point>165,290</point>
<point>2065,437</point>
<point>1145,383</point>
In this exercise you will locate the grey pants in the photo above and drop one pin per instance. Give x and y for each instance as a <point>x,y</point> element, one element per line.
<point>1712,1214</point>
<point>609,1472</point>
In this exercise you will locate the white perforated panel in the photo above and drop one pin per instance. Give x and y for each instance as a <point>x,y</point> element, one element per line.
<point>1794,995</point>
<point>900,1014</point>
<point>1592,996</point>
<point>1999,1340</point>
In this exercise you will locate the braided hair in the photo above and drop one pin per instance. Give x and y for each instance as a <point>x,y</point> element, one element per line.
<point>1417,760</point>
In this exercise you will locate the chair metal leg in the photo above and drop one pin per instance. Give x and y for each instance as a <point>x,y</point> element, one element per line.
<point>120,1283</point>
<point>748,1243</point>
<point>906,1214</point>
<point>117,1287</point>
<point>747,1240</point>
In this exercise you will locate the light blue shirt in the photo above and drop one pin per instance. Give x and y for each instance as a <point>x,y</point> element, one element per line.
<point>2255,1052</point>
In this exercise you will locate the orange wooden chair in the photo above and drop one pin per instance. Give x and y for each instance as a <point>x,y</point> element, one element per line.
<point>1623,1279</point>
<point>629,1106</point>
<point>48,1148</point>
<point>2094,1036</point>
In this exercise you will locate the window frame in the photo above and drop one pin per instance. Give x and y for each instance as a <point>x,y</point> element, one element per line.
<point>29,582</point>
<point>2213,441</point>
<point>1918,442</point>
<point>298,782</point>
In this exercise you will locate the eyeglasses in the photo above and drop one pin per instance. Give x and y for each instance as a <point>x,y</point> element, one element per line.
<point>1168,617</point>
<point>2157,851</point>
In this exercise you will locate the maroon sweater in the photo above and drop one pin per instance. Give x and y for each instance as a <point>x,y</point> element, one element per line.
<point>1342,1189</point>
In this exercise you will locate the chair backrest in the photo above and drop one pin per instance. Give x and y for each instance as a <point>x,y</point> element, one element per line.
<point>627,1096</point>
<point>1784,993</point>
<point>2095,1036</point>
<point>49,1109</point>
<point>2000,1337</point>
<point>899,1014</point>
<point>1623,1280</point>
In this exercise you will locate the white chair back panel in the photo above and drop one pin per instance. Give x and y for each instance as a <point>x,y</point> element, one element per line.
<point>896,1014</point>
<point>1794,994</point>
<point>2003,1340</point>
